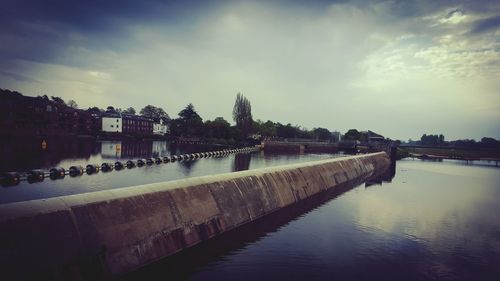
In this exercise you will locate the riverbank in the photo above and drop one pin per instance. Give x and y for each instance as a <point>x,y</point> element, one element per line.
<point>451,153</point>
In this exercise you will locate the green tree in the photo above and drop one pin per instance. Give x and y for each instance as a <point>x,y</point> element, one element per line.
<point>322,133</point>
<point>72,104</point>
<point>58,100</point>
<point>242,114</point>
<point>287,131</point>
<point>189,122</point>
<point>129,110</point>
<point>266,129</point>
<point>95,110</point>
<point>154,112</point>
<point>218,128</point>
<point>432,139</point>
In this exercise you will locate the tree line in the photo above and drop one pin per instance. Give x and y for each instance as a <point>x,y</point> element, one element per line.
<point>189,124</point>
<point>439,140</point>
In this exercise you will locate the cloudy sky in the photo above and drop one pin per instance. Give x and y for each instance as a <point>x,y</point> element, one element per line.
<point>401,68</point>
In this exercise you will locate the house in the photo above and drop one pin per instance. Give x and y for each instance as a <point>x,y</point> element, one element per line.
<point>159,127</point>
<point>137,125</point>
<point>111,122</point>
<point>374,137</point>
<point>24,115</point>
<point>370,137</point>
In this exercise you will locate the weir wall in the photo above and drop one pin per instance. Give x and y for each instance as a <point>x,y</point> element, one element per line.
<point>111,232</point>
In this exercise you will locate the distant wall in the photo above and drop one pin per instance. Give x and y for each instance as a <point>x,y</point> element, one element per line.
<point>298,147</point>
<point>112,232</point>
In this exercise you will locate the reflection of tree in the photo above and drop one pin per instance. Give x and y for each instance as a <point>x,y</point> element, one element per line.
<point>241,161</point>
<point>22,154</point>
<point>187,166</point>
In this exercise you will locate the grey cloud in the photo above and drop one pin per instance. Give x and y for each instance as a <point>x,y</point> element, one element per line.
<point>18,77</point>
<point>486,25</point>
<point>276,52</point>
<point>454,12</point>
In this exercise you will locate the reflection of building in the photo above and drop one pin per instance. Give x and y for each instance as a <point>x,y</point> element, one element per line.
<point>111,149</point>
<point>131,149</point>
<point>159,148</point>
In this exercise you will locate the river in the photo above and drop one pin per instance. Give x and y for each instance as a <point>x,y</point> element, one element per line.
<point>431,221</point>
<point>24,155</point>
<point>422,220</point>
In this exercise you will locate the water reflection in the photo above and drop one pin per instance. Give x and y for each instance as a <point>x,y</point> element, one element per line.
<point>242,162</point>
<point>385,176</point>
<point>133,149</point>
<point>24,155</point>
<point>431,221</point>
<point>184,264</point>
<point>187,166</point>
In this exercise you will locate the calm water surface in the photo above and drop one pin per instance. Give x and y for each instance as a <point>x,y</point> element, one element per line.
<point>434,221</point>
<point>426,221</point>
<point>23,155</point>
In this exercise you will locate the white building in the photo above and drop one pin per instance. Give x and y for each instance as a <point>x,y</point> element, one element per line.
<point>112,123</point>
<point>159,128</point>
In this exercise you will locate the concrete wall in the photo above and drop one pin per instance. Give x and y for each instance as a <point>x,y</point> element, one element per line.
<point>115,231</point>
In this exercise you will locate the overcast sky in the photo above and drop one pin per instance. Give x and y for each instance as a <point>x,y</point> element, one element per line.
<point>400,68</point>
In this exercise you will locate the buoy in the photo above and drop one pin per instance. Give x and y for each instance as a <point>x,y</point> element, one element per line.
<point>75,171</point>
<point>35,176</point>
<point>118,165</point>
<point>10,178</point>
<point>57,173</point>
<point>141,162</point>
<point>173,158</point>
<point>130,164</point>
<point>166,159</point>
<point>92,169</point>
<point>106,167</point>
<point>158,161</point>
<point>149,161</point>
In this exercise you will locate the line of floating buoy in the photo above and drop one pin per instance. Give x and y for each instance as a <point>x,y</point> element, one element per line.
<point>38,175</point>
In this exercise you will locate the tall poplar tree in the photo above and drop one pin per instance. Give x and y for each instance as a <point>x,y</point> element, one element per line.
<point>242,114</point>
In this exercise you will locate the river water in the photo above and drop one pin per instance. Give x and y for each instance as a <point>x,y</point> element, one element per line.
<point>431,221</point>
<point>24,155</point>
<point>421,221</point>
